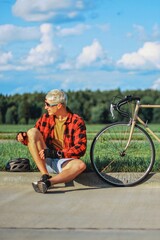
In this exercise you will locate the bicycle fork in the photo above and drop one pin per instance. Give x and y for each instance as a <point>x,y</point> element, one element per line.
<point>131,123</point>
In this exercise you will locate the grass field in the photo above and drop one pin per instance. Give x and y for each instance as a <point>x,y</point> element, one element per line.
<point>10,148</point>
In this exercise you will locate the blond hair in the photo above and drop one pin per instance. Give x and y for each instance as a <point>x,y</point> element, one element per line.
<point>57,96</point>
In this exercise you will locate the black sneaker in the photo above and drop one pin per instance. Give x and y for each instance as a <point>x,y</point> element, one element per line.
<point>40,187</point>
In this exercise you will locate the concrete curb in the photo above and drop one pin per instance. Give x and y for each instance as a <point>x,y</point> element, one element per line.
<point>84,180</point>
<point>89,179</point>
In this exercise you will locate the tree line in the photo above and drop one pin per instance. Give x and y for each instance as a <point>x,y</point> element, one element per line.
<point>93,106</point>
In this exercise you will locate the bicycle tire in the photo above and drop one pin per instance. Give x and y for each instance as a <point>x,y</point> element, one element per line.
<point>117,167</point>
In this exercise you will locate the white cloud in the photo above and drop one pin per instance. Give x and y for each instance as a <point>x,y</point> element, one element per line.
<point>156,31</point>
<point>142,35</point>
<point>46,52</point>
<point>76,30</point>
<point>50,9</point>
<point>90,54</point>
<point>5,58</point>
<point>11,33</point>
<point>156,84</point>
<point>38,10</point>
<point>79,80</point>
<point>140,30</point>
<point>103,27</point>
<point>67,65</point>
<point>146,58</point>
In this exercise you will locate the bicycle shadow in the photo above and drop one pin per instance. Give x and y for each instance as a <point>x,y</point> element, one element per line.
<point>91,181</point>
<point>150,176</point>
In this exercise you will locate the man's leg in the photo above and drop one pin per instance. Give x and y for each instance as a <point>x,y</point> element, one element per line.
<point>70,170</point>
<point>35,145</point>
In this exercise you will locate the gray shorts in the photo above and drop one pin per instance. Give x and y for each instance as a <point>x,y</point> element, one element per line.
<point>55,165</point>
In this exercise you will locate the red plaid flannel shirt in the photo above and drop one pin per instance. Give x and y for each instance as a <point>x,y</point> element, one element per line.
<point>75,139</point>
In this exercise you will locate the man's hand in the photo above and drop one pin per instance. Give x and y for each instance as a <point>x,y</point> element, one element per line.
<point>21,136</point>
<point>48,153</point>
<point>41,154</point>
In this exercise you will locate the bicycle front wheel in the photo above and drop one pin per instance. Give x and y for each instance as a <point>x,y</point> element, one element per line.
<point>116,165</point>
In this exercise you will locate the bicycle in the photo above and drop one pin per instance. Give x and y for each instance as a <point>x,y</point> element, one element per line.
<point>123,153</point>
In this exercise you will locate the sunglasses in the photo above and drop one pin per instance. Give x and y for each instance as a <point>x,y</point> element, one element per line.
<point>50,105</point>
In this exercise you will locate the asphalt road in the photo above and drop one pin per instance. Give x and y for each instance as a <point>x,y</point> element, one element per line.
<point>85,209</point>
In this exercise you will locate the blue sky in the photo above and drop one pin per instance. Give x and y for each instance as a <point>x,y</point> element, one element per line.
<point>79,44</point>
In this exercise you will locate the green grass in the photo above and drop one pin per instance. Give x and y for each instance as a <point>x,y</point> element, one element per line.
<point>8,131</point>
<point>10,128</point>
<point>10,148</point>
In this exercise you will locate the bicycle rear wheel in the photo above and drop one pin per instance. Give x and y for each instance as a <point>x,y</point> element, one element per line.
<point>119,167</point>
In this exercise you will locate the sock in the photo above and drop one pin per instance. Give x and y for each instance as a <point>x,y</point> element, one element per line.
<point>48,183</point>
<point>45,177</point>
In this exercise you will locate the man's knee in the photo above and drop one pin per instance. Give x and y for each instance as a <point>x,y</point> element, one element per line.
<point>75,165</point>
<point>32,133</point>
<point>81,166</point>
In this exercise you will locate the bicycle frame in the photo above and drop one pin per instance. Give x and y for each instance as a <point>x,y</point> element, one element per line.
<point>123,154</point>
<point>136,119</point>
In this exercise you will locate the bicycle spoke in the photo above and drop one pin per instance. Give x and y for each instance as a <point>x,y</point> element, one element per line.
<point>117,166</point>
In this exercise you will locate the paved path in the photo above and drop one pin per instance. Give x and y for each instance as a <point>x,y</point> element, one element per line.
<point>88,209</point>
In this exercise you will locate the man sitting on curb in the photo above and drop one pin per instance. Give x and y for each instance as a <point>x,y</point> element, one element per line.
<point>56,143</point>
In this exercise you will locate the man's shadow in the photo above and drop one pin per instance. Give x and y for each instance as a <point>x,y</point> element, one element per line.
<point>85,181</point>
